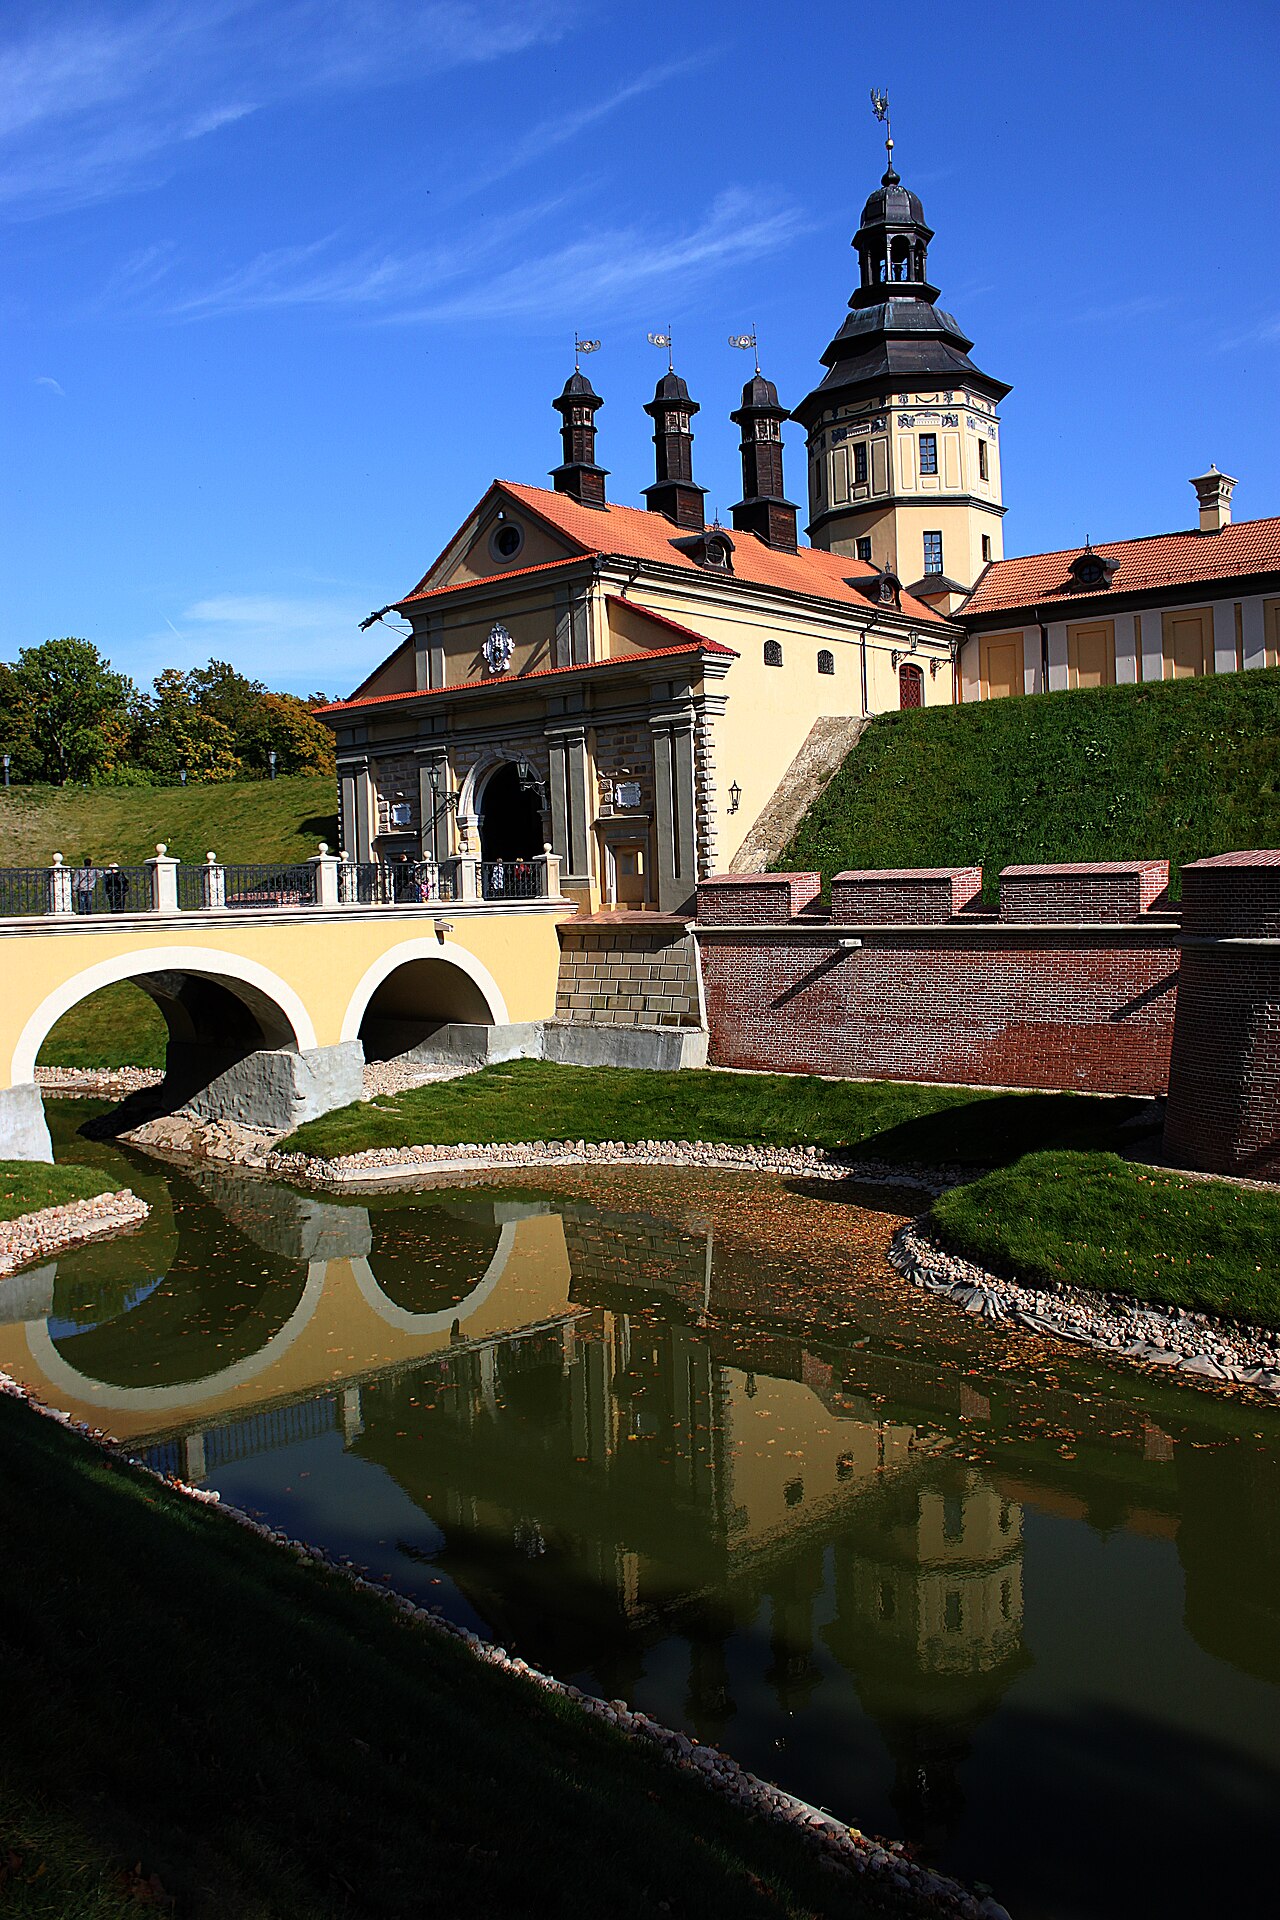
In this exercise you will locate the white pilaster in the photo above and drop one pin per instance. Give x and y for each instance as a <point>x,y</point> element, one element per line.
<point>1128,649</point>
<point>1224,636</point>
<point>1152,645</point>
<point>1057,656</point>
<point>1032,666</point>
<point>1255,632</point>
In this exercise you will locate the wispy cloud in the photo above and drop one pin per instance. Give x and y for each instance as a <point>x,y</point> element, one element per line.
<point>1264,332</point>
<point>291,641</point>
<point>474,278</point>
<point>99,101</point>
<point>47,380</point>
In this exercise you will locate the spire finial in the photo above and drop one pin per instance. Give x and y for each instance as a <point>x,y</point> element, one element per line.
<point>880,108</point>
<point>580,347</point>
<point>665,340</point>
<point>747,343</point>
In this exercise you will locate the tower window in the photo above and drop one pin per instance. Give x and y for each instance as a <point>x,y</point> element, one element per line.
<point>506,540</point>
<point>933,553</point>
<point>928,453</point>
<point>826,660</point>
<point>862,547</point>
<point>859,463</point>
<point>986,546</point>
<point>773,653</point>
<point>983,472</point>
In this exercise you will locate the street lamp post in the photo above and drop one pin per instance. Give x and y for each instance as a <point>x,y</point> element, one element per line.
<point>271,756</point>
<point>6,769</point>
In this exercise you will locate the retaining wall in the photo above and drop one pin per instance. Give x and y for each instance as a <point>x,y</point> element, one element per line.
<point>1072,984</point>
<point>637,970</point>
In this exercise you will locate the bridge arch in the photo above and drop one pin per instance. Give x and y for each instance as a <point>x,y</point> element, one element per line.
<point>417,986</point>
<point>442,1318</point>
<point>279,1017</point>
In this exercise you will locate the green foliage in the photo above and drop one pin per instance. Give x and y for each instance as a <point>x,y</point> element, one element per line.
<point>1093,1220</point>
<point>879,1119</point>
<point>1174,771</point>
<point>27,1185</point>
<point>77,714</point>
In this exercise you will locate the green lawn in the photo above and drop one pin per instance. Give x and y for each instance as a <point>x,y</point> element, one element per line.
<point>1174,771</point>
<point>239,820</point>
<point>887,1120</point>
<point>118,1026</point>
<point>1092,1220</point>
<point>184,1700</point>
<point>27,1185</point>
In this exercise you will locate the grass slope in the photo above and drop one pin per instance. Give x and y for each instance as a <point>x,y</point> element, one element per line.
<point>240,820</point>
<point>118,1026</point>
<point>888,1120</point>
<point>26,1186</point>
<point>183,1700</point>
<point>1100,1222</point>
<point>1175,771</point>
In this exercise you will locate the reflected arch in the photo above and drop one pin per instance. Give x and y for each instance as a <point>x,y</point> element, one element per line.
<point>442,1318</point>
<point>208,997</point>
<point>414,989</point>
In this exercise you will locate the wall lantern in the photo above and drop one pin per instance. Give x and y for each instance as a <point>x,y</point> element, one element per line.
<point>449,801</point>
<point>735,795</point>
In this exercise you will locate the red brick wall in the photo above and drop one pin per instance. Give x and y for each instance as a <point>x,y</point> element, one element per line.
<point>904,897</point>
<point>1097,890</point>
<point>1224,1091</point>
<point>755,899</point>
<point>986,1005</point>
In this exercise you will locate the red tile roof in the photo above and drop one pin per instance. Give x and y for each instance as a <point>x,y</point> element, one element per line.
<point>1157,560</point>
<point>635,534</point>
<point>498,684</point>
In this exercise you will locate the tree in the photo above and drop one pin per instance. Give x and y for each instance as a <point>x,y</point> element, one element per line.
<point>282,721</point>
<point>176,734</point>
<point>79,713</point>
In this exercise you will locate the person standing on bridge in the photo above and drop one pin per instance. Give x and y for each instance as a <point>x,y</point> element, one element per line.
<point>115,885</point>
<point>83,882</point>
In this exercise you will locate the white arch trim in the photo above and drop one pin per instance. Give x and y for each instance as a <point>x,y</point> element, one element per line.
<point>210,961</point>
<point>431,948</point>
<point>478,778</point>
<point>443,1318</point>
<point>100,1393</point>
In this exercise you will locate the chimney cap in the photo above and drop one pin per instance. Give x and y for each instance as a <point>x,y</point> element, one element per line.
<point>1213,494</point>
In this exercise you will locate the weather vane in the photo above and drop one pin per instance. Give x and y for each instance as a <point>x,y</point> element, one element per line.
<point>664,340</point>
<point>880,108</point>
<point>747,343</point>
<point>583,346</point>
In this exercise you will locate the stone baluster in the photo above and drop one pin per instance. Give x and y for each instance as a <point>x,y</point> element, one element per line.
<point>548,874</point>
<point>59,887</point>
<point>163,869</point>
<point>467,868</point>
<point>213,883</point>
<point>325,868</point>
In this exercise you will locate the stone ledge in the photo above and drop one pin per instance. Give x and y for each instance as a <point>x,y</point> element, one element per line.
<point>34,1236</point>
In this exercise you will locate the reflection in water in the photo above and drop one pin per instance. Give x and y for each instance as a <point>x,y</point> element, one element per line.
<point>553,1420</point>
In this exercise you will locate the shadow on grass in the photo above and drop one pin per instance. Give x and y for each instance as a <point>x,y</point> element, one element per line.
<point>993,1131</point>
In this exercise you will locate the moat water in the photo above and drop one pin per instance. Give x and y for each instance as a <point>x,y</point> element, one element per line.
<point>688,1441</point>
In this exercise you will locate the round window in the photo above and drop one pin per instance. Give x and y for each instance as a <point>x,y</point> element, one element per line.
<point>506,540</point>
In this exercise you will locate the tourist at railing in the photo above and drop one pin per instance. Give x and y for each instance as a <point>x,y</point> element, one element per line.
<point>83,883</point>
<point>115,885</point>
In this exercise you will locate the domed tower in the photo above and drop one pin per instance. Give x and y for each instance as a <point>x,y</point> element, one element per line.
<point>903,431</point>
<point>674,492</point>
<point>578,473</point>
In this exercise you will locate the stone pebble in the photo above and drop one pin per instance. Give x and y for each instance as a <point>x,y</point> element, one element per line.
<point>34,1236</point>
<point>1193,1343</point>
<point>905,1886</point>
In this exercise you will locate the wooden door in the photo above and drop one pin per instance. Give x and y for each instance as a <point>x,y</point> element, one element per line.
<point>1091,660</point>
<point>910,686</point>
<point>628,876</point>
<point>1004,667</point>
<point>1188,644</point>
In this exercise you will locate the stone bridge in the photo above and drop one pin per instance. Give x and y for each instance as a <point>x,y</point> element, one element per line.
<point>275,984</point>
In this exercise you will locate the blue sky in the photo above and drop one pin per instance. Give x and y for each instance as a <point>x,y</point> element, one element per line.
<point>285,284</point>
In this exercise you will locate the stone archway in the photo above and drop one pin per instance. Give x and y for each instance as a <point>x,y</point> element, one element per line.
<point>510,815</point>
<point>417,988</point>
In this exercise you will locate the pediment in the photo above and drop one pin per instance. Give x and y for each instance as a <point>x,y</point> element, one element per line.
<point>500,536</point>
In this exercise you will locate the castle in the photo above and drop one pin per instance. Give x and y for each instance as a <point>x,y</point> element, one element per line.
<point>655,699</point>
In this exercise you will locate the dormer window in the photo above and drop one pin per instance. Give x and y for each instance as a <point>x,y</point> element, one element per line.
<point>713,549</point>
<point>1091,570</point>
<point>717,554</point>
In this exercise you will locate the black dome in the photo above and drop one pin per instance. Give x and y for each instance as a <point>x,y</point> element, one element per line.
<point>892,205</point>
<point>671,387</point>
<point>578,387</point>
<point>759,392</point>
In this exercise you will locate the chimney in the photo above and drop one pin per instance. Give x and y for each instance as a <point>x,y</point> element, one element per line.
<point>1213,491</point>
<point>578,475</point>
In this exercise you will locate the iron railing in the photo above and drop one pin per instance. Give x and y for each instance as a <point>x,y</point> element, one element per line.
<point>108,889</point>
<point>395,883</point>
<point>24,890</point>
<point>510,879</point>
<point>261,886</point>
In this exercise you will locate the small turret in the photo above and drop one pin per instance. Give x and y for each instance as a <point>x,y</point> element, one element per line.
<point>578,474</point>
<point>674,492</point>
<point>763,509</point>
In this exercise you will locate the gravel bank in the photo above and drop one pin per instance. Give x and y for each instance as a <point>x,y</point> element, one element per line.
<point>34,1236</point>
<point>1191,1343</point>
<point>96,1083</point>
<point>880,1868</point>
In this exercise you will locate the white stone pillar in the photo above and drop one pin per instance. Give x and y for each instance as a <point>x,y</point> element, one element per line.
<point>549,875</point>
<point>1152,646</point>
<point>1032,665</point>
<point>1058,677</point>
<point>1254,622</point>
<point>325,867</point>
<point>59,887</point>
<point>213,883</point>
<point>1128,649</point>
<point>164,880</point>
<point>467,868</point>
<point>1224,636</point>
